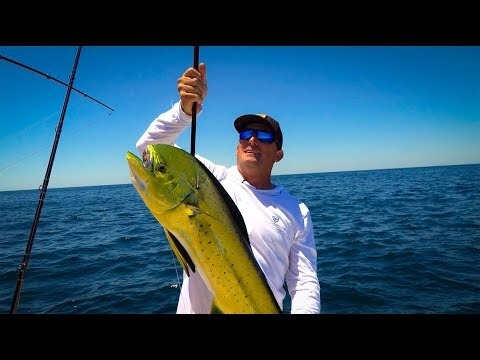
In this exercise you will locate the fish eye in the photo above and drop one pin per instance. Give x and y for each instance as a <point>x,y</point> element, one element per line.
<point>147,160</point>
<point>161,168</point>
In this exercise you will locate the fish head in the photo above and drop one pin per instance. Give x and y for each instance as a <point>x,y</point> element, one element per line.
<point>158,179</point>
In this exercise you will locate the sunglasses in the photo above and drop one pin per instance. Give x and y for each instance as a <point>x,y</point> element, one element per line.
<point>262,136</point>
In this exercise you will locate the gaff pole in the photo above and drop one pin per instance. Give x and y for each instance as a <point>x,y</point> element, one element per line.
<point>194,106</point>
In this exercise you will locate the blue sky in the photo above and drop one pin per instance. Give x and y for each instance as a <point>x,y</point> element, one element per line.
<point>341,108</point>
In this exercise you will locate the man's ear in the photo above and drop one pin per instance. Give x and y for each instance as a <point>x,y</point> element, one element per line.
<point>279,155</point>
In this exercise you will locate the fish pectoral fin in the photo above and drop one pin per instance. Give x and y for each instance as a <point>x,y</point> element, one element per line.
<point>193,210</point>
<point>180,252</point>
<point>215,309</point>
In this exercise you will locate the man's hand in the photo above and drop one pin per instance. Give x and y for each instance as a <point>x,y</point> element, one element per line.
<point>192,86</point>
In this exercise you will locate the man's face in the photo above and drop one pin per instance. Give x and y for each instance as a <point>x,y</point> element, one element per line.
<point>254,153</point>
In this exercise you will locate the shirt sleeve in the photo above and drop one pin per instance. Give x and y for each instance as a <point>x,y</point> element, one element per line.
<point>301,278</point>
<point>165,128</point>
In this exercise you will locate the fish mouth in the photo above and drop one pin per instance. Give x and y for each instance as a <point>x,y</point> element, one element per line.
<point>134,162</point>
<point>137,181</point>
<point>136,167</point>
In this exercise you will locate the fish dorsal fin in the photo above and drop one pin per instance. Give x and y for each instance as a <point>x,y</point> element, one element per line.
<point>232,207</point>
<point>180,252</point>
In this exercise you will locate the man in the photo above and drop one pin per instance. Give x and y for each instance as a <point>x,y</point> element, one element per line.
<point>279,226</point>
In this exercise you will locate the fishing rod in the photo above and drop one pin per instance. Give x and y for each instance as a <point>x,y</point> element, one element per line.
<point>43,192</point>
<point>52,78</point>
<point>194,106</point>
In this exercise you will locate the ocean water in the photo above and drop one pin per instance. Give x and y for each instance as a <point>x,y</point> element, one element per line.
<point>397,241</point>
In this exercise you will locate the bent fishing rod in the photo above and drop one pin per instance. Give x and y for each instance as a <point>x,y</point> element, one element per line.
<point>24,264</point>
<point>52,78</point>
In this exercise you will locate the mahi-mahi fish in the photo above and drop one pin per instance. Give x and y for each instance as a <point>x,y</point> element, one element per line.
<point>204,228</point>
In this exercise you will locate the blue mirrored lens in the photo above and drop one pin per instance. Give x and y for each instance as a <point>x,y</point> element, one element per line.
<point>246,134</point>
<point>262,136</point>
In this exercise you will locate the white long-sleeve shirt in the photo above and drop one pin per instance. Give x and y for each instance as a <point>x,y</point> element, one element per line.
<point>279,228</point>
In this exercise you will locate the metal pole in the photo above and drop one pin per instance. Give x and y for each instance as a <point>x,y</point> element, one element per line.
<point>194,106</point>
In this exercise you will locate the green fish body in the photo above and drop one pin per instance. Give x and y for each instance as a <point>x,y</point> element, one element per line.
<point>204,227</point>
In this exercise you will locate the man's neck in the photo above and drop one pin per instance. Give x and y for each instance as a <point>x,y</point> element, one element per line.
<point>259,181</point>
